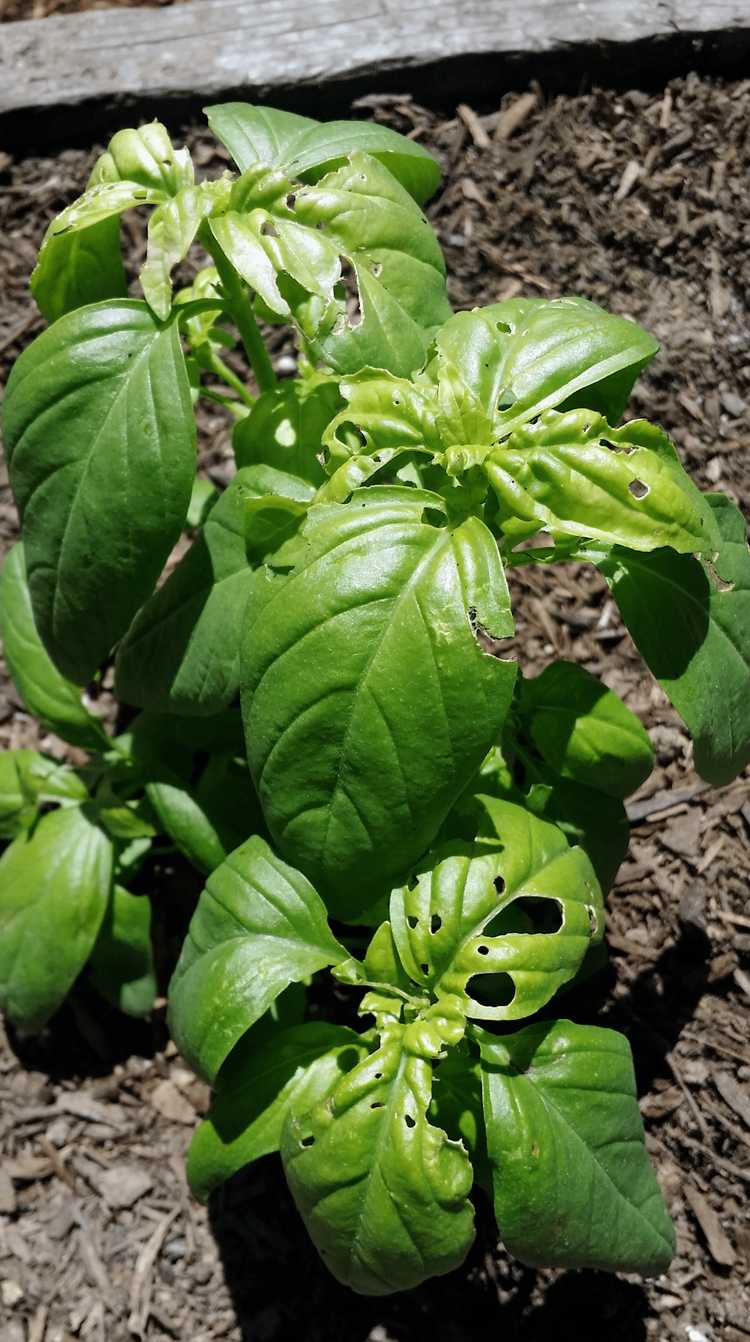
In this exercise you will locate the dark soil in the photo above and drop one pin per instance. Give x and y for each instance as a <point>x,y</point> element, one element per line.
<point>642,203</point>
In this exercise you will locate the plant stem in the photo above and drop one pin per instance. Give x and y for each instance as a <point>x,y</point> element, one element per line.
<point>222,370</point>
<point>241,312</point>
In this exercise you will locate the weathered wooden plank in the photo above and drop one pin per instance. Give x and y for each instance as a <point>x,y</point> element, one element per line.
<point>305,50</point>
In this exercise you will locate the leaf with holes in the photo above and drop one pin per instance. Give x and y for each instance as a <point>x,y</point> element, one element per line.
<point>79,261</point>
<point>573,1185</point>
<point>691,623</point>
<point>259,926</point>
<point>46,693</point>
<point>100,441</point>
<point>584,731</point>
<point>182,651</point>
<point>262,1080</point>
<point>574,475</point>
<point>307,149</point>
<point>383,1192</point>
<point>356,759</point>
<point>286,426</point>
<point>54,889</point>
<point>493,929</point>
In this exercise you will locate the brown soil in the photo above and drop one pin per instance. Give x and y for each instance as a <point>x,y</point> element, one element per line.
<point>12,10</point>
<point>640,202</point>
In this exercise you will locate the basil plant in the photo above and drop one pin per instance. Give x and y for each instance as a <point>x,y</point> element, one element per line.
<point>425,823</point>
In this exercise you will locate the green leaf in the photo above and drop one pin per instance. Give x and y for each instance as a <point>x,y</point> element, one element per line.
<point>285,429</point>
<point>389,413</point>
<point>54,887</point>
<point>573,1184</point>
<point>79,267</point>
<point>203,496</point>
<point>121,967</point>
<point>181,817</point>
<point>45,692</point>
<point>494,928</point>
<point>288,242</point>
<point>275,504</point>
<point>693,630</point>
<point>148,157</point>
<point>584,731</point>
<point>29,780</point>
<point>574,475</point>
<point>384,1194</point>
<point>226,795</point>
<point>100,441</point>
<point>306,148</point>
<point>595,821</point>
<point>172,229</point>
<point>260,1083</point>
<point>259,926</point>
<point>457,1107</point>
<point>182,651</point>
<point>355,758</point>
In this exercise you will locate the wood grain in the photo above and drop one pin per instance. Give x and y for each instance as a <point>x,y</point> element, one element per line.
<point>308,52</point>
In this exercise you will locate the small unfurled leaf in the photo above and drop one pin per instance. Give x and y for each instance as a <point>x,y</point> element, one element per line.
<point>356,758</point>
<point>383,1193</point>
<point>46,693</point>
<point>182,651</point>
<point>573,1185</point>
<point>574,475</point>
<point>100,441</point>
<point>494,928</point>
<point>148,157</point>
<point>584,731</point>
<point>383,414</point>
<point>291,1068</point>
<point>121,967</point>
<point>691,623</point>
<point>285,429</point>
<point>259,926</point>
<point>54,888</point>
<point>29,780</point>
<point>306,148</point>
<point>172,229</point>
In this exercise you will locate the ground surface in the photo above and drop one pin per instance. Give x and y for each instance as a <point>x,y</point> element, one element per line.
<point>641,203</point>
<point>11,10</point>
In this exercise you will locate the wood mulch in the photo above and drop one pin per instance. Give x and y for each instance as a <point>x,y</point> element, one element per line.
<point>641,202</point>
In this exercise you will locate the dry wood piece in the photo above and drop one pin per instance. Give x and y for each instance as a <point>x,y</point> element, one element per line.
<point>719,1247</point>
<point>513,116</point>
<point>474,126</point>
<point>734,1095</point>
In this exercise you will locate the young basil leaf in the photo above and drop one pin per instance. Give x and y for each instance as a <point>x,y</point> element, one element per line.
<point>574,475</point>
<point>226,795</point>
<point>573,1184</point>
<point>596,822</point>
<point>383,1193</point>
<point>100,441</point>
<point>285,429</point>
<point>693,630</point>
<point>29,780</point>
<point>148,157</point>
<point>181,654</point>
<point>259,926</point>
<point>45,692</point>
<point>494,928</point>
<point>387,412</point>
<point>584,731</point>
<point>185,821</point>
<point>356,760</point>
<point>307,149</point>
<point>203,496</point>
<point>121,967</point>
<point>172,229</point>
<point>54,887</point>
<point>457,1107</point>
<point>261,1081</point>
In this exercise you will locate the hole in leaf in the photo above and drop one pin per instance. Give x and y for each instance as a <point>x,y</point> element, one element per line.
<point>499,884</point>
<point>291,200</point>
<point>593,919</point>
<point>377,270</point>
<point>349,288</point>
<point>638,489</point>
<point>412,920</point>
<point>351,436</point>
<point>506,399</point>
<point>545,915</point>
<point>436,923</point>
<point>307,1141</point>
<point>491,989</point>
<point>409,1121</point>
<point>377,1104</point>
<point>396,398</point>
<point>378,1076</point>
<point>483,950</point>
<point>268,229</point>
<point>425,969</point>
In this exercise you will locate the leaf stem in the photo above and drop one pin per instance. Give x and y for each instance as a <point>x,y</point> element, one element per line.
<point>241,312</point>
<point>222,370</point>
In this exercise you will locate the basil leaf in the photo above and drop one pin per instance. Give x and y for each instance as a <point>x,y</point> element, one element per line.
<point>181,654</point>
<point>79,267</point>
<point>307,148</point>
<point>693,630</point>
<point>494,928</point>
<point>573,1184</point>
<point>121,967</point>
<point>457,1107</point>
<point>45,692</point>
<point>172,229</point>
<point>100,441</point>
<point>583,731</point>
<point>596,822</point>
<point>29,780</point>
<point>331,703</point>
<point>54,887</point>
<point>285,429</point>
<point>260,1082</point>
<point>259,926</point>
<point>574,475</point>
<point>383,1193</point>
<point>185,821</point>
